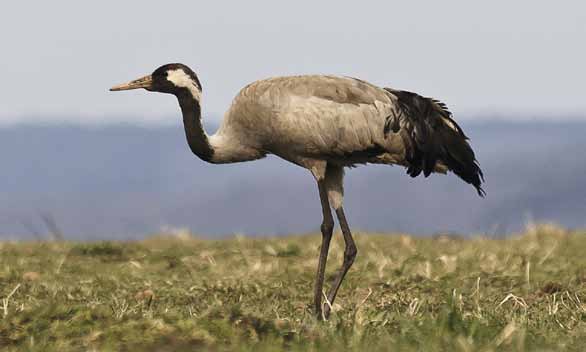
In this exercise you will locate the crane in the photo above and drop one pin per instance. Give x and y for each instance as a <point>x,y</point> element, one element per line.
<point>323,124</point>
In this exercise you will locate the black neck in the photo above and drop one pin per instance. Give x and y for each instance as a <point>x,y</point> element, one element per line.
<point>196,136</point>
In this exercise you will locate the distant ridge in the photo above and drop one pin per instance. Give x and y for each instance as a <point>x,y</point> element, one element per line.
<point>125,181</point>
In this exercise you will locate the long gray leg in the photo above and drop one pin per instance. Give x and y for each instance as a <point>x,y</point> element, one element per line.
<point>327,228</point>
<point>350,252</point>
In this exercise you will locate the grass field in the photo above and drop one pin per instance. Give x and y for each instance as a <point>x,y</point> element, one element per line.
<point>173,293</point>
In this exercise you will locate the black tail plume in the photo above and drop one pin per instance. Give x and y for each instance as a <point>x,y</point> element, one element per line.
<point>430,136</point>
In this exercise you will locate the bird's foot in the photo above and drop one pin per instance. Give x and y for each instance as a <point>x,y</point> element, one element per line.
<point>318,312</point>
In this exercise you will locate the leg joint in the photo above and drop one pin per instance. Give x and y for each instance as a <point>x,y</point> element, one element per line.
<point>350,253</point>
<point>327,227</point>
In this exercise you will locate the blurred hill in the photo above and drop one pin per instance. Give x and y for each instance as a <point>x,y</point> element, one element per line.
<point>126,181</point>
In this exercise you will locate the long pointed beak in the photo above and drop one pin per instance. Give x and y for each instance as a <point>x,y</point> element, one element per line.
<point>143,82</point>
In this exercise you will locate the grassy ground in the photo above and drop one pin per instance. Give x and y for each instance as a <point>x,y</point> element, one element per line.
<point>403,293</point>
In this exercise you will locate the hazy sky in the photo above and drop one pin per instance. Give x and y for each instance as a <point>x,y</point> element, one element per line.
<point>59,57</point>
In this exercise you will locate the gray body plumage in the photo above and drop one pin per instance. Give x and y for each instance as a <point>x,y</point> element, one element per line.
<point>336,119</point>
<point>344,121</point>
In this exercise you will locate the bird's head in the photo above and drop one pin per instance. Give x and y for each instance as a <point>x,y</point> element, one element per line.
<point>171,78</point>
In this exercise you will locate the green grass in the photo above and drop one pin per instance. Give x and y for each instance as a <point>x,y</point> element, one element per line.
<point>404,293</point>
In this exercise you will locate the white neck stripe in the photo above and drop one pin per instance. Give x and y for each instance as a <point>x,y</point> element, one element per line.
<point>181,79</point>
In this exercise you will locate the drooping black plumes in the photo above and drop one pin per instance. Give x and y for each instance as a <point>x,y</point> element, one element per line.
<point>430,136</point>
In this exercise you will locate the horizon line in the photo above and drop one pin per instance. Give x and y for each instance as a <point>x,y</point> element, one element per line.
<point>52,120</point>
